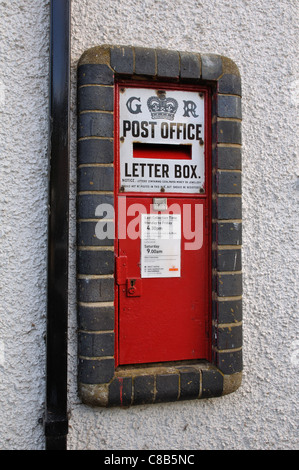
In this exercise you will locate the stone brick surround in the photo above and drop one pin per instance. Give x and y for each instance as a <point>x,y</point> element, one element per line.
<point>100,383</point>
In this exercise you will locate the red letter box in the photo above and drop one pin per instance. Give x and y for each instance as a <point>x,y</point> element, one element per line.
<point>163,234</point>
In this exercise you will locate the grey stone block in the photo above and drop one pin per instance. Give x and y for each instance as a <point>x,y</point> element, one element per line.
<point>229,132</point>
<point>144,389</point>
<point>229,362</point>
<point>122,59</point>
<point>228,260</point>
<point>229,285</point>
<point>95,124</point>
<point>95,344</point>
<point>167,387</point>
<point>96,98</point>
<point>229,337</point>
<point>120,391</point>
<point>145,61</point>
<point>228,311</point>
<point>212,383</point>
<point>211,66</point>
<point>168,63</point>
<point>95,178</point>
<point>229,107</point>
<point>229,182</point>
<point>229,158</point>
<point>189,383</point>
<point>230,84</point>
<point>190,65</point>
<point>95,371</point>
<point>88,233</point>
<point>95,74</point>
<point>95,151</point>
<point>95,318</point>
<point>95,262</point>
<point>95,290</point>
<point>229,207</point>
<point>87,205</point>
<point>229,233</point>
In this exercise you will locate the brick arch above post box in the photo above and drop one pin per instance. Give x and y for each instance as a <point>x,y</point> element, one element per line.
<point>100,383</point>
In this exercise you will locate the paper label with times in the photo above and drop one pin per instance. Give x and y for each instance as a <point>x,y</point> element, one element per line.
<point>160,245</point>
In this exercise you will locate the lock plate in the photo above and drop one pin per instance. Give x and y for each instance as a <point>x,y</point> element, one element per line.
<point>160,204</point>
<point>133,287</point>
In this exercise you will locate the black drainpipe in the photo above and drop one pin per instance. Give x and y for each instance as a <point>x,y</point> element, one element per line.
<point>56,419</point>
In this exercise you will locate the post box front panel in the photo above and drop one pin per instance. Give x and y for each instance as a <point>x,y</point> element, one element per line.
<point>164,298</point>
<point>163,214</point>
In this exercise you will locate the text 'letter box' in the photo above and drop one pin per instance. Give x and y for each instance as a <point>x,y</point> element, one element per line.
<point>163,263</point>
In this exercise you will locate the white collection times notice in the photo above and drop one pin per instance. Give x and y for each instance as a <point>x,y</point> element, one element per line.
<point>160,245</point>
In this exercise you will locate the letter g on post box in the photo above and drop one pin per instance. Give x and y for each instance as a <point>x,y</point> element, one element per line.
<point>160,296</point>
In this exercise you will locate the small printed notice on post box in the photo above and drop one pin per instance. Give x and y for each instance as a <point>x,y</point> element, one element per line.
<point>160,245</point>
<point>161,140</point>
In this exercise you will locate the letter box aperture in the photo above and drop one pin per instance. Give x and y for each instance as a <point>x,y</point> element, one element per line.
<point>163,239</point>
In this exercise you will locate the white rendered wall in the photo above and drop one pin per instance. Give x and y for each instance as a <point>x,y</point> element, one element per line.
<point>261,37</point>
<point>24,49</point>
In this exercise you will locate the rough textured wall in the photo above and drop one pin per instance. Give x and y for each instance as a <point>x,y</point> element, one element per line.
<point>261,37</point>
<point>23,220</point>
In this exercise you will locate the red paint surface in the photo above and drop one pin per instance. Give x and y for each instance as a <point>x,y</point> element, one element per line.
<point>167,322</point>
<point>170,320</point>
<point>162,151</point>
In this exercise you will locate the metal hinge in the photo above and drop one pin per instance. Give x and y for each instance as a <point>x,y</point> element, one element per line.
<point>121,263</point>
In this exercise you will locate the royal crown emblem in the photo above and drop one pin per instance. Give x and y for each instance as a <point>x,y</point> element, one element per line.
<point>162,108</point>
